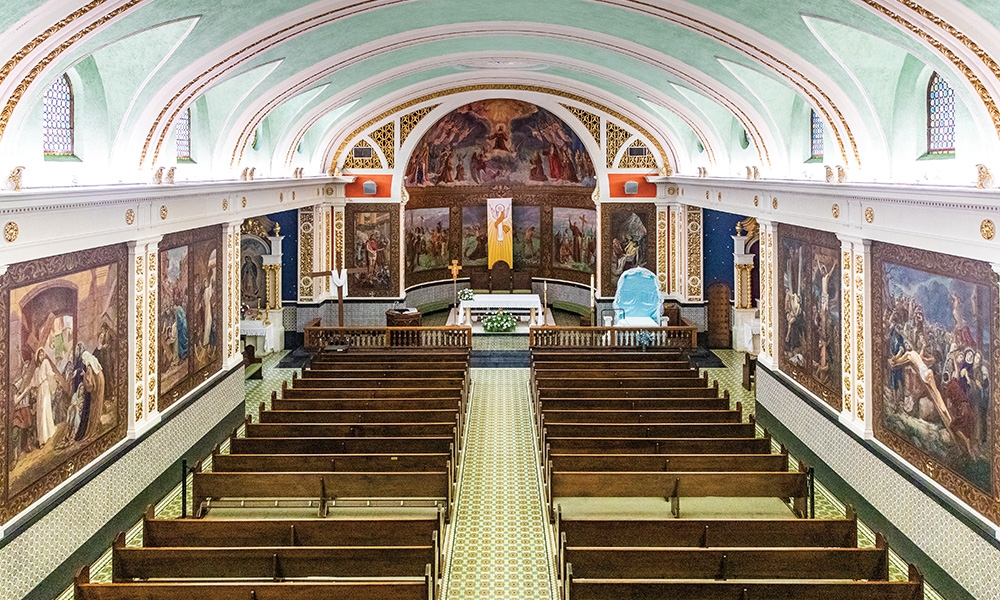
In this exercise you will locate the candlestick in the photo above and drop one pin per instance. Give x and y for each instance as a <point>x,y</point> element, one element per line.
<point>593,292</point>
<point>545,293</point>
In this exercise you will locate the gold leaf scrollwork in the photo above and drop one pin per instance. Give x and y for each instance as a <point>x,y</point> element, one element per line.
<point>615,138</point>
<point>409,121</point>
<point>373,162</point>
<point>591,121</point>
<point>987,229</point>
<point>385,138</point>
<point>10,231</point>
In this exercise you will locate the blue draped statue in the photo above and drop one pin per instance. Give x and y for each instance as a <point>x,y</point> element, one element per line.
<point>638,296</point>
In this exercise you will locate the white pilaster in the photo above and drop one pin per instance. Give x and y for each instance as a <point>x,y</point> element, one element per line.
<point>231,295</point>
<point>142,334</point>
<point>663,244</point>
<point>768,303</point>
<point>857,369</point>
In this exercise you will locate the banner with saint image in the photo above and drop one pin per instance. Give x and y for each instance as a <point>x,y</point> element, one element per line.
<point>501,231</point>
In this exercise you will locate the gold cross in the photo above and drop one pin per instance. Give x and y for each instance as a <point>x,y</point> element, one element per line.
<point>454,268</point>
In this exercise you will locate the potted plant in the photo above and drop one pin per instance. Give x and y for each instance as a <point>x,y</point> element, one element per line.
<point>499,322</point>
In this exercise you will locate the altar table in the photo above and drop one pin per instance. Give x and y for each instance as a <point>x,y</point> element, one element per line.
<point>515,304</point>
<point>264,338</point>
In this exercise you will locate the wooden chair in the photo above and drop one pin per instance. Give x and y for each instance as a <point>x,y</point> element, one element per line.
<point>521,282</point>
<point>252,364</point>
<point>500,281</point>
<point>479,281</point>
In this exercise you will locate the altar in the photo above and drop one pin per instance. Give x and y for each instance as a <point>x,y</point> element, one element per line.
<point>264,338</point>
<point>529,305</point>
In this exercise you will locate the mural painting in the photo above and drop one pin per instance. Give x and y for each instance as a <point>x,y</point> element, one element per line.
<point>935,322</point>
<point>500,141</point>
<point>809,302</point>
<point>574,239</point>
<point>373,259</point>
<point>64,398</point>
<point>190,311</point>
<point>627,243</point>
<point>475,236</point>
<point>427,231</point>
<point>253,279</point>
<point>527,236</point>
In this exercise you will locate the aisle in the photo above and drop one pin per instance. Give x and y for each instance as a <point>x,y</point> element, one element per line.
<point>499,544</point>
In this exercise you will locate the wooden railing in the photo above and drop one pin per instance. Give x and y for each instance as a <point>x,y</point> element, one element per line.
<point>681,336</point>
<point>317,338</point>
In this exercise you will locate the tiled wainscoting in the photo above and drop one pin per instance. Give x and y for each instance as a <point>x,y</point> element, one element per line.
<point>946,540</point>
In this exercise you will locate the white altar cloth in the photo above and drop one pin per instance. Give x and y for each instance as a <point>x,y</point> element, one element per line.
<point>636,322</point>
<point>264,338</point>
<point>512,303</point>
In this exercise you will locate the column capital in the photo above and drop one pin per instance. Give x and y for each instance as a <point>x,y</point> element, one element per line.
<point>144,241</point>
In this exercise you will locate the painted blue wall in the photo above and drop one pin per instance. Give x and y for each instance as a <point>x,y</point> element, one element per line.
<point>289,221</point>
<point>718,246</point>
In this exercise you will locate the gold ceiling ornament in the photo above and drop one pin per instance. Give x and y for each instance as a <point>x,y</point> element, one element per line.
<point>385,138</point>
<point>869,215</point>
<point>129,217</point>
<point>756,200</point>
<point>987,229</point>
<point>163,212</point>
<point>948,53</point>
<point>591,121</point>
<point>409,121</point>
<point>10,231</point>
<point>614,138</point>
<point>225,204</point>
<point>244,202</point>
<point>984,179</point>
<point>499,87</point>
<point>774,203</point>
<point>646,161</point>
<point>748,225</point>
<point>18,92</point>
<point>258,226</point>
<point>835,209</point>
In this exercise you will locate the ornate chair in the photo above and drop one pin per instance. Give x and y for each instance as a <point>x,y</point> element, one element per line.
<point>500,282</point>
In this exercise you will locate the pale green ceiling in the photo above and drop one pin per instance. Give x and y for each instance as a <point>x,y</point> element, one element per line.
<point>762,61</point>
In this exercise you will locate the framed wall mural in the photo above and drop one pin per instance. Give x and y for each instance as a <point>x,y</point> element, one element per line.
<point>475,236</point>
<point>527,237</point>
<point>371,241</point>
<point>574,239</point>
<point>809,306</point>
<point>935,322</point>
<point>426,237</point>
<point>190,311</point>
<point>626,241</point>
<point>64,367</point>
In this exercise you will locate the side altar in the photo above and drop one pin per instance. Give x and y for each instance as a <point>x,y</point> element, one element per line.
<point>529,305</point>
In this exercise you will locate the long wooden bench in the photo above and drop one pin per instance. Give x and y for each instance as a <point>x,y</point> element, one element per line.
<point>546,391</point>
<point>391,356</point>
<point>364,404</point>
<point>341,445</point>
<point>613,372</point>
<point>415,415</point>
<point>423,589</point>
<point>597,380</point>
<point>649,430</point>
<point>321,487</point>
<point>330,462</point>
<point>668,462</point>
<point>451,369</point>
<point>365,393</point>
<point>674,486</point>
<point>371,383</point>
<point>663,589</point>
<point>289,430</point>
<point>560,415</point>
<point>635,404</point>
<point>596,363</point>
<point>578,445</point>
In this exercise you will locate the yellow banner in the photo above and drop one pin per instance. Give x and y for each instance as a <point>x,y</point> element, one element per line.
<point>501,235</point>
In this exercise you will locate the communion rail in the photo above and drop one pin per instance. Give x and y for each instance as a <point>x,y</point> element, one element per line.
<point>317,338</point>
<point>681,336</point>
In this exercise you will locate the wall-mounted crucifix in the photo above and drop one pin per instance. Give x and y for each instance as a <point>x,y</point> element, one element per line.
<point>455,268</point>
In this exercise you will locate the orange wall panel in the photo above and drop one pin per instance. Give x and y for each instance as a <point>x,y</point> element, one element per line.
<point>617,181</point>
<point>383,187</point>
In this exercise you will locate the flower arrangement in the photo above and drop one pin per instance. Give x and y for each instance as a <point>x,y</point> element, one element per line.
<point>499,322</point>
<point>644,338</point>
<point>466,294</point>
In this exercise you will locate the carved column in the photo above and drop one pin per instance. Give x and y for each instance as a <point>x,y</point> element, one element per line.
<point>677,258</point>
<point>768,304</point>
<point>663,247</point>
<point>694,281</point>
<point>142,334</point>
<point>856,274</point>
<point>231,295</point>
<point>744,313</point>
<point>339,222</point>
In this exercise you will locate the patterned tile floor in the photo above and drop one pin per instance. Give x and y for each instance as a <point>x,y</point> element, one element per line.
<point>501,546</point>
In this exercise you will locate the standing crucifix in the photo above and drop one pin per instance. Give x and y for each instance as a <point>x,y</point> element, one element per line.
<point>339,281</point>
<point>455,268</point>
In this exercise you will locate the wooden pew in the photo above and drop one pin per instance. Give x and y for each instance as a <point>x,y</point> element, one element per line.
<point>449,369</point>
<point>575,365</point>
<point>710,533</point>
<point>415,415</point>
<point>364,393</point>
<point>398,589</point>
<point>370,531</point>
<point>664,589</point>
<point>598,381</point>
<point>270,562</point>
<point>665,392</point>
<point>391,357</point>
<point>369,383</point>
<point>649,430</point>
<point>365,404</point>
<point>560,415</point>
<point>635,404</point>
<point>268,463</point>
<point>618,484</point>
<point>668,462</point>
<point>343,445</point>
<point>560,445</point>
<point>273,430</point>
<point>321,486</point>
<point>613,372</point>
<point>621,355</point>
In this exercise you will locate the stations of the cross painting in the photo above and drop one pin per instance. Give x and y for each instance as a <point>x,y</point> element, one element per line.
<point>455,268</point>
<point>339,282</point>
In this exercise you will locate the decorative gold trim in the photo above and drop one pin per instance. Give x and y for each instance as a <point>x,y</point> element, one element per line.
<point>591,121</point>
<point>835,209</point>
<point>129,217</point>
<point>409,121</point>
<point>10,231</point>
<point>662,249</point>
<point>869,215</point>
<point>987,229</point>
<point>774,203</point>
<point>385,138</point>
<point>756,200</point>
<point>244,202</point>
<point>362,163</point>
<point>163,212</point>
<point>694,254</point>
<point>18,92</point>
<point>637,162</point>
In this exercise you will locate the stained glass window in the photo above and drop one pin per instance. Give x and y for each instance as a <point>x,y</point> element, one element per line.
<point>940,116</point>
<point>182,131</point>
<point>58,114</point>
<point>816,132</point>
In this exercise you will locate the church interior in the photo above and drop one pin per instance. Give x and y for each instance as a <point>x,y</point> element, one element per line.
<point>435,299</point>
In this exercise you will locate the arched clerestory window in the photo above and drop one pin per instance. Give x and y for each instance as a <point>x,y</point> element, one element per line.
<point>182,132</point>
<point>58,115</point>
<point>816,136</point>
<point>940,116</point>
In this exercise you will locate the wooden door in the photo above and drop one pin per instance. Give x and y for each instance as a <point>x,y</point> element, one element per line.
<point>719,315</point>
